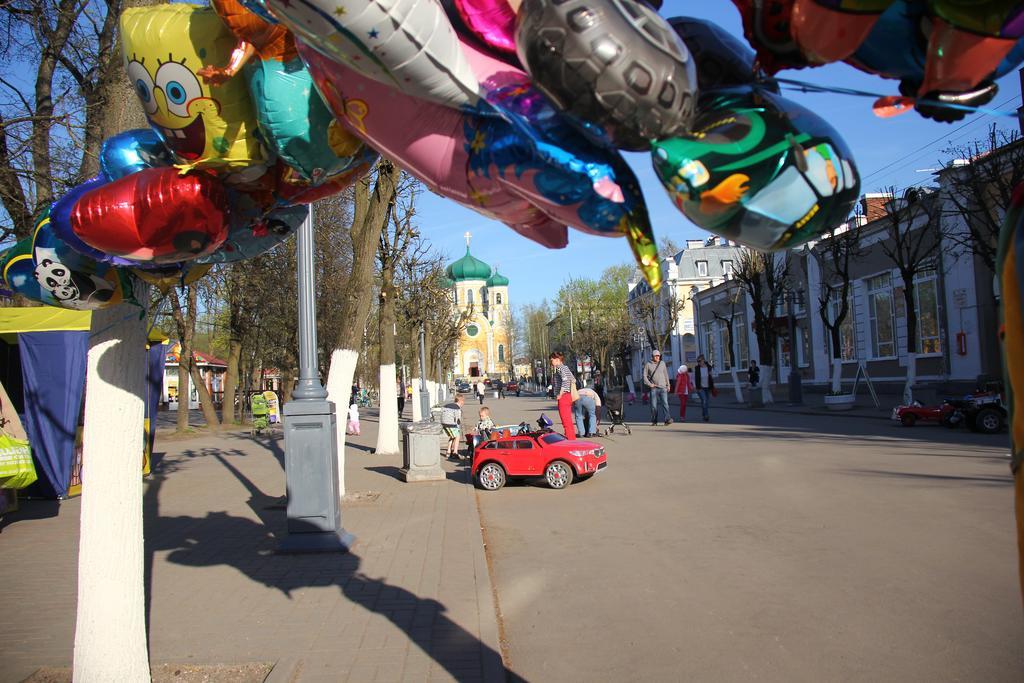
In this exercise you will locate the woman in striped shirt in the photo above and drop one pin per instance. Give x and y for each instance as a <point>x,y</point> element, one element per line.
<point>562,382</point>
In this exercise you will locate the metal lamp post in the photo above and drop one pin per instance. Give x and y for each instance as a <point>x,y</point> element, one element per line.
<point>795,382</point>
<point>310,439</point>
<point>424,393</point>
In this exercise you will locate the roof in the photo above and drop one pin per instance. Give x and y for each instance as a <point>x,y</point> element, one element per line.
<point>468,268</point>
<point>173,351</point>
<point>497,280</point>
<point>15,320</point>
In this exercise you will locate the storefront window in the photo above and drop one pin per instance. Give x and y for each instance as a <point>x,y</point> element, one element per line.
<point>881,317</point>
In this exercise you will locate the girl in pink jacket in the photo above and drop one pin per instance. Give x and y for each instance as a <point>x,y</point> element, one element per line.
<point>684,387</point>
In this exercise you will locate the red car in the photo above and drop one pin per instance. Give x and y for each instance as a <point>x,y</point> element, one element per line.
<point>536,454</point>
<point>908,416</point>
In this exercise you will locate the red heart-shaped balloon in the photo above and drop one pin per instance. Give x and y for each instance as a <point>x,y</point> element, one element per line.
<point>154,215</point>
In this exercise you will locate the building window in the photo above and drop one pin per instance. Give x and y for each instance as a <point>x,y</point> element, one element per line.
<point>881,318</point>
<point>456,296</point>
<point>469,297</point>
<point>497,298</point>
<point>926,301</point>
<point>501,353</point>
<point>727,269</point>
<point>709,333</point>
<point>702,268</point>
<point>847,330</point>
<point>739,331</point>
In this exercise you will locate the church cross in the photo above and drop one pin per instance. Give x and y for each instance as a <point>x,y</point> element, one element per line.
<point>468,235</point>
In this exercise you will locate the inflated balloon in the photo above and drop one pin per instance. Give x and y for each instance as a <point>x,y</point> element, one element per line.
<point>493,22</point>
<point>722,60</point>
<point>60,218</point>
<point>958,60</point>
<point>613,64</point>
<point>292,189</point>
<point>297,122</point>
<point>154,215</point>
<point>406,44</point>
<point>168,277</point>
<point>131,151</point>
<point>832,30</point>
<point>204,126</point>
<point>766,24</point>
<point>536,183</point>
<point>269,39</point>
<point>997,18</point>
<point>252,234</point>
<point>45,269</point>
<point>760,170</point>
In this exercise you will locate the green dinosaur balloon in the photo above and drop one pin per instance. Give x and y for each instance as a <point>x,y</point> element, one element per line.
<point>760,170</point>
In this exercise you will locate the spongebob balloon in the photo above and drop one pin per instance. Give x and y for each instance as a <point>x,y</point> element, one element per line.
<point>205,126</point>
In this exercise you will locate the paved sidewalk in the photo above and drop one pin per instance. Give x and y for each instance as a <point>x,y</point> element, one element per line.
<point>413,600</point>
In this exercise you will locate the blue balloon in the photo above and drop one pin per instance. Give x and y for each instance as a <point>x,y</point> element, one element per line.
<point>252,232</point>
<point>297,123</point>
<point>259,8</point>
<point>131,151</point>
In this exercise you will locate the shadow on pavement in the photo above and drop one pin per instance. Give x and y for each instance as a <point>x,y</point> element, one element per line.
<point>987,481</point>
<point>250,547</point>
<point>388,471</point>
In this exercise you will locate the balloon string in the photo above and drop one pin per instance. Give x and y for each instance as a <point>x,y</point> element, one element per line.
<point>803,86</point>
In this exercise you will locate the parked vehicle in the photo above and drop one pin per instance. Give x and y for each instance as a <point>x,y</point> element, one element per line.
<point>983,411</point>
<point>535,454</point>
<point>910,415</point>
<point>511,387</point>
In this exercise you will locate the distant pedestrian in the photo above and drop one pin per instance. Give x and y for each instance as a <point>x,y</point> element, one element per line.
<point>401,396</point>
<point>754,374</point>
<point>562,386</point>
<point>599,385</point>
<point>656,380</point>
<point>500,386</point>
<point>684,387</point>
<point>481,388</point>
<point>353,419</point>
<point>585,411</point>
<point>704,381</point>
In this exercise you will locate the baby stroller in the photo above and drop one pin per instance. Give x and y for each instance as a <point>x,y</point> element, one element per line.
<point>613,412</point>
<point>260,413</point>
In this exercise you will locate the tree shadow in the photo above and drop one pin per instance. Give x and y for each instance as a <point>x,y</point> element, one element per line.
<point>251,548</point>
<point>30,509</point>
<point>937,478</point>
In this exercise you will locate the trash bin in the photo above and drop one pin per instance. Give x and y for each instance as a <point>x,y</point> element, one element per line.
<point>421,451</point>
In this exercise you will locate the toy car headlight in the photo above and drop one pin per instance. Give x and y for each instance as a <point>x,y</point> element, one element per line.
<point>579,453</point>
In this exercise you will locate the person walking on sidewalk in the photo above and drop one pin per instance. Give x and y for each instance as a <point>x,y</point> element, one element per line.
<point>401,396</point>
<point>656,380</point>
<point>704,381</point>
<point>684,387</point>
<point>754,374</point>
<point>480,389</point>
<point>562,385</point>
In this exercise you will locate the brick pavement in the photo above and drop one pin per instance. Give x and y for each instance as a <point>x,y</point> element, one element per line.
<point>412,601</point>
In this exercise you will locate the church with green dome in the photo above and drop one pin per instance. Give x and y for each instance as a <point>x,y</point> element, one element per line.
<point>481,297</point>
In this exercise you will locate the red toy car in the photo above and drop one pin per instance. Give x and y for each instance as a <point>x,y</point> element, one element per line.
<point>536,454</point>
<point>910,415</point>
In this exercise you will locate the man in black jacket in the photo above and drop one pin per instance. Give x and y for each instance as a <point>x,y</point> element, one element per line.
<point>704,380</point>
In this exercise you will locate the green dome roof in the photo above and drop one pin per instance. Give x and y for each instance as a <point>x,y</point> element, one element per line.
<point>497,280</point>
<point>468,268</point>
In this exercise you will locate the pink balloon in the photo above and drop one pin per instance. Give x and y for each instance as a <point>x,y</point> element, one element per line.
<point>427,141</point>
<point>492,21</point>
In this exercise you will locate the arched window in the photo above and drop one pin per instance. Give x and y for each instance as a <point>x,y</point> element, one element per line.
<point>498,298</point>
<point>501,353</point>
<point>469,297</point>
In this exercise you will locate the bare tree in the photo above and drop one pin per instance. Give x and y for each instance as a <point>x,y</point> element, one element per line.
<point>763,275</point>
<point>393,246</point>
<point>730,329</point>
<point>835,254</point>
<point>658,313</point>
<point>912,243</point>
<point>981,177</point>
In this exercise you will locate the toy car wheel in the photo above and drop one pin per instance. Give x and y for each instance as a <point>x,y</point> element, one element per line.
<point>491,476</point>
<point>558,474</point>
<point>988,420</point>
<point>908,419</point>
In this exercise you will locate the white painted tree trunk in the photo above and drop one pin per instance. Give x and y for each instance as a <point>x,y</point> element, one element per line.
<point>387,429</point>
<point>837,375</point>
<point>766,384</point>
<point>908,388</point>
<point>339,390</point>
<point>736,384</point>
<point>110,630</point>
<point>417,414</point>
<point>432,390</point>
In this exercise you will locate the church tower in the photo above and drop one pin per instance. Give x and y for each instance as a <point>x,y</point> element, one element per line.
<point>481,297</point>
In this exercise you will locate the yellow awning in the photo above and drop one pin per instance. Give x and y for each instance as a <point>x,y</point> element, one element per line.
<point>42,319</point>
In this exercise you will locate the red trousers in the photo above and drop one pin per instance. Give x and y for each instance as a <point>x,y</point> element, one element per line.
<point>565,413</point>
<point>682,406</point>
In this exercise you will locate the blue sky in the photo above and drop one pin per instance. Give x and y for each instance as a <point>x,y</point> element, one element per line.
<point>888,152</point>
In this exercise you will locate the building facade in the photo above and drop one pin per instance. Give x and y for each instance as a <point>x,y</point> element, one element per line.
<point>666,318</point>
<point>955,302</point>
<point>481,295</point>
